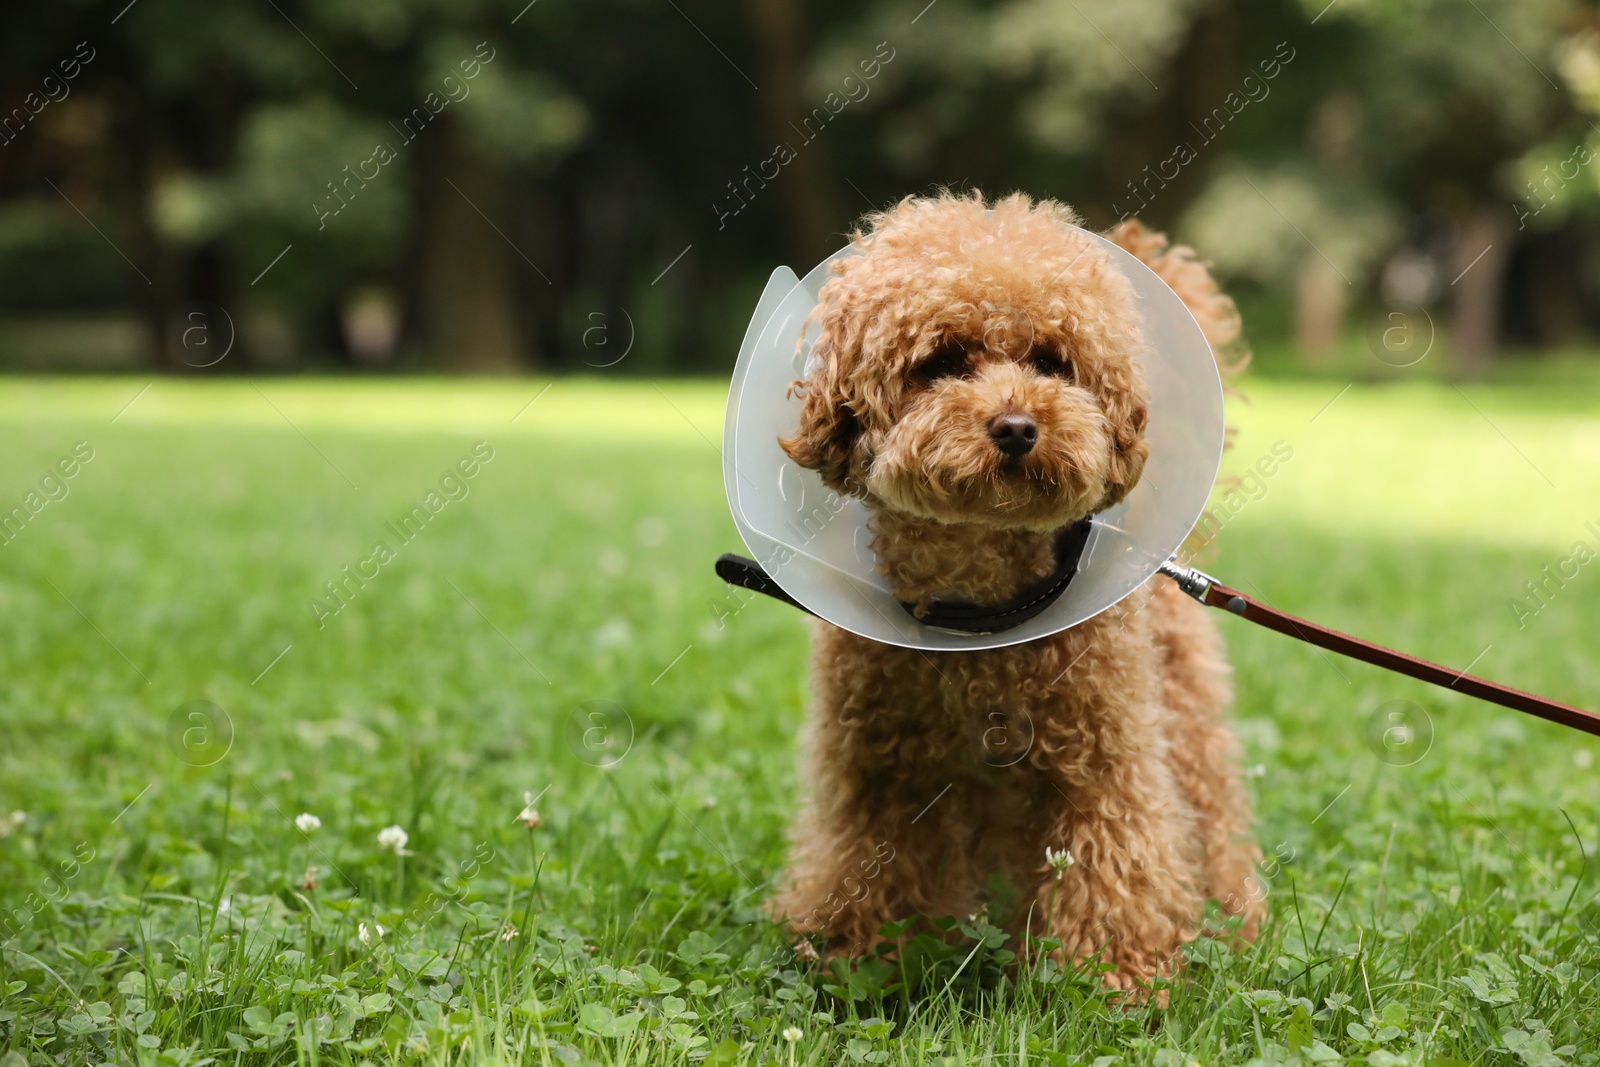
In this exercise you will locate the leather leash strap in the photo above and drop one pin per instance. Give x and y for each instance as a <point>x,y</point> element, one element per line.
<point>747,573</point>
<point>1213,593</point>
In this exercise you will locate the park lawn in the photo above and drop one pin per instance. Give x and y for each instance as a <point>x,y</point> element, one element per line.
<point>558,630</point>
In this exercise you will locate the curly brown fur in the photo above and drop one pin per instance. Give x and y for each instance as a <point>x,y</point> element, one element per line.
<point>932,772</point>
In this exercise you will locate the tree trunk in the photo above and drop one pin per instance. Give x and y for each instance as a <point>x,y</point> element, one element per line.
<point>1482,244</point>
<point>805,205</point>
<point>156,296</point>
<point>1321,296</point>
<point>130,197</point>
<point>468,319</point>
<point>1551,286</point>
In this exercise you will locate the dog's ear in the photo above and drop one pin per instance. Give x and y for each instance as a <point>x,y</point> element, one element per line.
<point>1125,401</point>
<point>828,424</point>
<point>1186,273</point>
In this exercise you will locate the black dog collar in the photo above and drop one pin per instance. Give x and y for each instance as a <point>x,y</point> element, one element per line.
<point>948,614</point>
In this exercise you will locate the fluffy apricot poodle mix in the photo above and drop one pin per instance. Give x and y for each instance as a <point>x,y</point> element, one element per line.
<point>978,383</point>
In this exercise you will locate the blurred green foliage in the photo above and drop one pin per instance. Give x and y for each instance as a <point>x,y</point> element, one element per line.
<point>497,184</point>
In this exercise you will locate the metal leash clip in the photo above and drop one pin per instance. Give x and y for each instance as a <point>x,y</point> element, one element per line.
<point>1191,580</point>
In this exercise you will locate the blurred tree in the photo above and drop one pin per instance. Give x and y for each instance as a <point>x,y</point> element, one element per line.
<point>1036,92</point>
<point>350,131</point>
<point>464,281</point>
<point>776,27</point>
<point>1418,104</point>
<point>1301,223</point>
<point>181,83</point>
<point>1469,88</point>
<point>472,185</point>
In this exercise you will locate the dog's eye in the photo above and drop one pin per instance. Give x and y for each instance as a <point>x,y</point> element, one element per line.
<point>1048,361</point>
<point>949,360</point>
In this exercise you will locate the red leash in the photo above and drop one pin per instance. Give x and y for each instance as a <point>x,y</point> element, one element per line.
<point>1213,593</point>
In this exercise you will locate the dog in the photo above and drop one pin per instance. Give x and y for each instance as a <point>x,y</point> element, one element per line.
<point>977,384</point>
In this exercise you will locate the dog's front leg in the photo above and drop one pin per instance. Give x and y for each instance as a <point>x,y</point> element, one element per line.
<point>1130,894</point>
<point>874,846</point>
<point>889,822</point>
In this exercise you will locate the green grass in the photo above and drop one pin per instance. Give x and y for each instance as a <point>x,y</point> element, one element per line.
<point>153,906</point>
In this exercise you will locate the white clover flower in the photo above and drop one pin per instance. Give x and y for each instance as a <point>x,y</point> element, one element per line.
<point>508,933</point>
<point>369,934</point>
<point>394,839</point>
<point>529,816</point>
<point>1259,770</point>
<point>792,1034</point>
<point>307,823</point>
<point>1058,859</point>
<point>10,823</point>
<point>708,802</point>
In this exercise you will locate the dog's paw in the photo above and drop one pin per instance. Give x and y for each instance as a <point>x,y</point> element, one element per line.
<point>1129,991</point>
<point>1133,988</point>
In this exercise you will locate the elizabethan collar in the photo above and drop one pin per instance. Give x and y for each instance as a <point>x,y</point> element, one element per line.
<point>815,544</point>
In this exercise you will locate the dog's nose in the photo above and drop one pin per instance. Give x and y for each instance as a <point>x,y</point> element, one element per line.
<point>1013,433</point>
